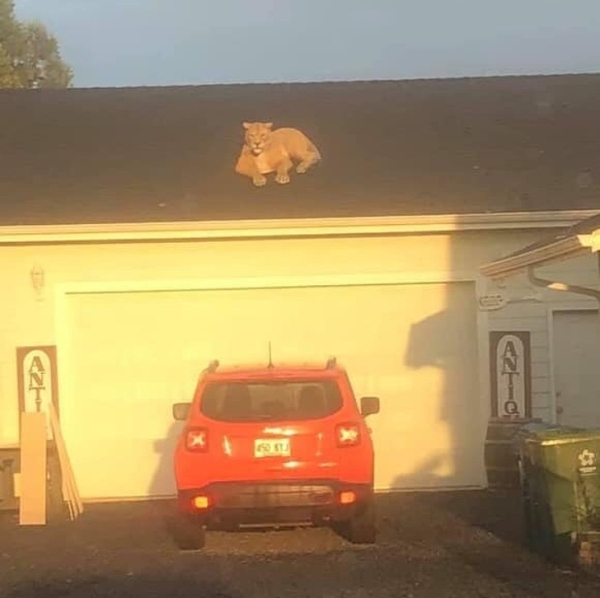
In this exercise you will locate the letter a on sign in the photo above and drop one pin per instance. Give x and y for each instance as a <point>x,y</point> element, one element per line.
<point>509,356</point>
<point>37,380</point>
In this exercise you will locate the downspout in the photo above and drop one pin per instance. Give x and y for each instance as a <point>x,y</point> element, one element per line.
<point>562,286</point>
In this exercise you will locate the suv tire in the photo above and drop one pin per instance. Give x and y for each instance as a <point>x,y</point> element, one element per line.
<point>188,533</point>
<point>361,528</point>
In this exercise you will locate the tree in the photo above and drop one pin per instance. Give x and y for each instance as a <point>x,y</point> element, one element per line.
<point>29,53</point>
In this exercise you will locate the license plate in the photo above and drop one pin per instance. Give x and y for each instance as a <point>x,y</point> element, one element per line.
<point>270,447</point>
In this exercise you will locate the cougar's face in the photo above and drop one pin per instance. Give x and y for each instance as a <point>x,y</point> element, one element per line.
<point>257,137</point>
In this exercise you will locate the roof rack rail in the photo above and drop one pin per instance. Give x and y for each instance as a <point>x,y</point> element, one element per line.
<point>212,365</point>
<point>331,363</point>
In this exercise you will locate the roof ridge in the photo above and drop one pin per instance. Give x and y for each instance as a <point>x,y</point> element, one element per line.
<point>315,82</point>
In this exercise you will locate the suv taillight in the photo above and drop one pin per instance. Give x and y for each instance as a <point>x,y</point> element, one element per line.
<point>196,440</point>
<point>347,434</point>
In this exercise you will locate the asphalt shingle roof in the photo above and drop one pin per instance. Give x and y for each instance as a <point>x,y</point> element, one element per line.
<point>450,146</point>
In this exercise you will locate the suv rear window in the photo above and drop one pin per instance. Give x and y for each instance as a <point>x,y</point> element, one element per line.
<point>272,400</point>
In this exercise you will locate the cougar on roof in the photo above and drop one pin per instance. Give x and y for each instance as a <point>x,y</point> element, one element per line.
<point>267,150</point>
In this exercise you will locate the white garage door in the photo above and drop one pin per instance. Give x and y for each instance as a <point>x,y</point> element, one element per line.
<point>129,356</point>
<point>576,346</point>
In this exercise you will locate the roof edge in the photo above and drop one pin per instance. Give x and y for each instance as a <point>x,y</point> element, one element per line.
<point>572,244</point>
<point>556,251</point>
<point>301,227</point>
<point>591,240</point>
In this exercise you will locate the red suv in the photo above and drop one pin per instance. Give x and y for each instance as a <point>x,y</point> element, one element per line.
<point>274,445</point>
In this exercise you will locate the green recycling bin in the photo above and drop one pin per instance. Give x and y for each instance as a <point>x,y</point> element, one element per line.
<point>560,475</point>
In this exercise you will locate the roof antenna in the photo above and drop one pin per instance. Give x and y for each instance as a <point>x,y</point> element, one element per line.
<point>270,360</point>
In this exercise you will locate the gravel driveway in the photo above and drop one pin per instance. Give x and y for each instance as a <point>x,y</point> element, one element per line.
<point>431,545</point>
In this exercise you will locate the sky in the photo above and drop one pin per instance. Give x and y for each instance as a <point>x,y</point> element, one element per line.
<point>119,43</point>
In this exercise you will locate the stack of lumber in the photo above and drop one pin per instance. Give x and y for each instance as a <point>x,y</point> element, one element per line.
<point>33,476</point>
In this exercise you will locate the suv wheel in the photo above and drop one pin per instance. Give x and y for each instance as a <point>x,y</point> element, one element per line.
<point>361,528</point>
<point>188,533</point>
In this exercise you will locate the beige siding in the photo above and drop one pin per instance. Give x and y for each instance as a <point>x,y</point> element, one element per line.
<point>534,317</point>
<point>29,321</point>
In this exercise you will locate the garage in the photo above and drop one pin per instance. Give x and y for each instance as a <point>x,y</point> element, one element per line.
<point>128,355</point>
<point>135,271</point>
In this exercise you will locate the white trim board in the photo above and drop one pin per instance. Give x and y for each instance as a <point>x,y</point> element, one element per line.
<point>483,346</point>
<point>588,306</point>
<point>300,227</point>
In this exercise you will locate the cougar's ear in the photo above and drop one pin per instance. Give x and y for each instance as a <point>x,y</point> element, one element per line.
<point>246,125</point>
<point>269,125</point>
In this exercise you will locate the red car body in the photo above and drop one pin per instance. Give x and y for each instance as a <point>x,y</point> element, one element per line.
<point>274,445</point>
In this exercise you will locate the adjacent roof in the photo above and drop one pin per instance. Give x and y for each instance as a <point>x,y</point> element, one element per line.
<point>452,146</point>
<point>580,239</point>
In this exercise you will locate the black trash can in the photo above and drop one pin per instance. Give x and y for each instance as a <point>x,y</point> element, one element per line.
<point>501,453</point>
<point>9,465</point>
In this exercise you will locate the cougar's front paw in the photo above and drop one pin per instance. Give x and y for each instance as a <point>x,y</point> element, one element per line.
<point>282,178</point>
<point>259,180</point>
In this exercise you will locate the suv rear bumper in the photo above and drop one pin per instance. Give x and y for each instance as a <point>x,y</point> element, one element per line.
<point>275,502</point>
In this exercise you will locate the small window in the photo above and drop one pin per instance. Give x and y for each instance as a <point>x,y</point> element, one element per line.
<point>278,400</point>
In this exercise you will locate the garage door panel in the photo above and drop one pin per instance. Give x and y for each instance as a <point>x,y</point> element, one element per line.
<point>131,355</point>
<point>101,468</point>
